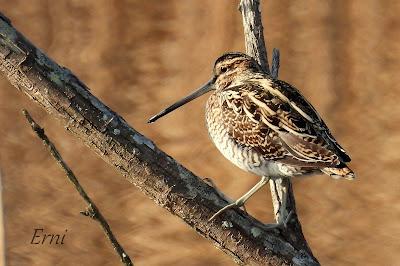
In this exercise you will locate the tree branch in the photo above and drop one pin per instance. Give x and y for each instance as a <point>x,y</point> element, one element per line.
<point>254,32</point>
<point>92,210</point>
<point>134,156</point>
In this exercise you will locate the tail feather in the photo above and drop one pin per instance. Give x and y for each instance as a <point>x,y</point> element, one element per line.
<point>341,171</point>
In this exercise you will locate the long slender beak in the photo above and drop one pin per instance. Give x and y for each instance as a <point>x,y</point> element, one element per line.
<point>202,90</point>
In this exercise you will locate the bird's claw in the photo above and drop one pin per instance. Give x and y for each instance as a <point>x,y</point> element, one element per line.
<point>281,225</point>
<point>287,219</point>
<point>227,207</point>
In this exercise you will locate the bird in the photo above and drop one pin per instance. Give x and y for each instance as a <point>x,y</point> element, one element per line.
<point>264,125</point>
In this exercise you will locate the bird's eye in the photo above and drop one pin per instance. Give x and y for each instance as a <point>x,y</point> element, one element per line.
<point>224,69</point>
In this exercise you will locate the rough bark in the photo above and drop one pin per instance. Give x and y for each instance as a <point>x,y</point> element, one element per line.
<point>254,32</point>
<point>137,158</point>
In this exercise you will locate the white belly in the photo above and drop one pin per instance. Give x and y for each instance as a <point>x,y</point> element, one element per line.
<point>246,158</point>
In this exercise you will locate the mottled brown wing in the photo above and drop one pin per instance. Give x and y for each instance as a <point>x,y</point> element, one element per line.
<point>265,119</point>
<point>323,131</point>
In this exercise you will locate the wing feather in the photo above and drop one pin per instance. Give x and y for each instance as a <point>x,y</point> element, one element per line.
<point>294,96</point>
<point>274,118</point>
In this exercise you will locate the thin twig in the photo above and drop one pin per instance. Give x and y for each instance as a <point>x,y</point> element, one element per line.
<point>275,63</point>
<point>92,211</point>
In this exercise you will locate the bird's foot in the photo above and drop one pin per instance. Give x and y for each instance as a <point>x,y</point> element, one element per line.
<point>269,227</point>
<point>240,202</point>
<point>236,204</point>
<point>280,225</point>
<point>211,183</point>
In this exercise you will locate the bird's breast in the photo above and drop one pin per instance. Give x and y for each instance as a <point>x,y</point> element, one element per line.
<point>244,157</point>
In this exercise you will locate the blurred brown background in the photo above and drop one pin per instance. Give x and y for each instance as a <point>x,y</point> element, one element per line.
<point>139,56</point>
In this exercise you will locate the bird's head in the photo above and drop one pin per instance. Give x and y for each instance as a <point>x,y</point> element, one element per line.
<point>228,69</point>
<point>232,67</point>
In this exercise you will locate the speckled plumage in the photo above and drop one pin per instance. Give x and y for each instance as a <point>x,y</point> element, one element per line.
<point>266,126</point>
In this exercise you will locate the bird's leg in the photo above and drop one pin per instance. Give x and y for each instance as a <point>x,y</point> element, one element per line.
<point>211,183</point>
<point>282,208</point>
<point>240,202</point>
<point>283,217</point>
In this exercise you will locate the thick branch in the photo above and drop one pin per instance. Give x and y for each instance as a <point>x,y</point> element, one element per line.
<point>92,210</point>
<point>281,189</point>
<point>134,156</point>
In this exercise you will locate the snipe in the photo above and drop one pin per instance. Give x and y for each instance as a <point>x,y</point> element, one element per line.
<point>265,126</point>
